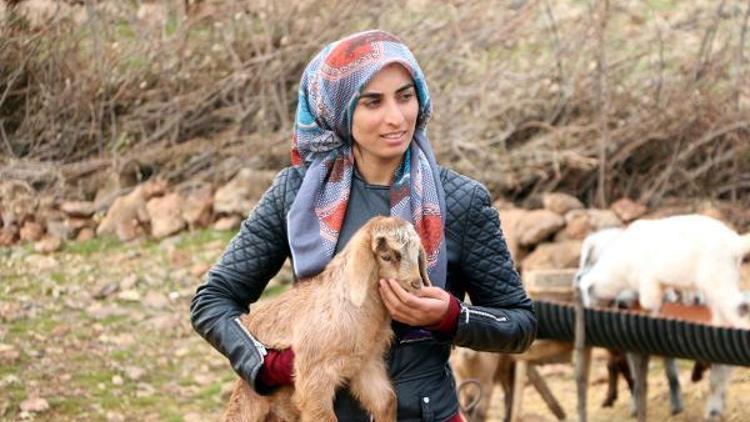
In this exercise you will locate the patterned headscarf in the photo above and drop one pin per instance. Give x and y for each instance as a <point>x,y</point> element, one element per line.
<point>329,91</point>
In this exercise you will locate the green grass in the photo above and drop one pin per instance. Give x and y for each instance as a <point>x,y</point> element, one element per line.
<point>41,324</point>
<point>192,240</point>
<point>99,244</point>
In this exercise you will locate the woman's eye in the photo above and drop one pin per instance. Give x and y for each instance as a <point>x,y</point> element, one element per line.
<point>372,103</point>
<point>407,96</point>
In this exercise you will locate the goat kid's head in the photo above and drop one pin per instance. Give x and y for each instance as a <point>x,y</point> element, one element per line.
<point>385,247</point>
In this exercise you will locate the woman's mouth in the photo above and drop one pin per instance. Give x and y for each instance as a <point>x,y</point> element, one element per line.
<point>394,138</point>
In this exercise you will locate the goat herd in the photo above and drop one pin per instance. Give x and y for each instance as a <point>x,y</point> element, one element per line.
<point>687,258</point>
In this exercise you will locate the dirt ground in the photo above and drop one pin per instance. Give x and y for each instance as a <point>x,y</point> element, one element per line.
<point>100,331</point>
<point>561,381</point>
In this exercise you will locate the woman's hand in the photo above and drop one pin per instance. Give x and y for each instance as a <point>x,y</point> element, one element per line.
<point>426,307</point>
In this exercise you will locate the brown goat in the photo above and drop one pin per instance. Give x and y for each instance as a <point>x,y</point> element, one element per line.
<point>338,327</point>
<point>476,374</point>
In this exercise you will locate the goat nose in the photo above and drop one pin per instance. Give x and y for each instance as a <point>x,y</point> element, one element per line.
<point>416,284</point>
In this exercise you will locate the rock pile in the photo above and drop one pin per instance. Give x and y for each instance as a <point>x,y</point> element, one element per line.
<point>549,237</point>
<point>149,209</point>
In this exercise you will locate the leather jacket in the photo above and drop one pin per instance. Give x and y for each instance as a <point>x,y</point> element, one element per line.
<point>500,317</point>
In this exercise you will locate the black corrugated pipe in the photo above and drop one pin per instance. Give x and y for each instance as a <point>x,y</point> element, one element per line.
<point>641,333</point>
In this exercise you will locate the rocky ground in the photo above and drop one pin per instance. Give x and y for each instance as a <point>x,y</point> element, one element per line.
<point>100,331</point>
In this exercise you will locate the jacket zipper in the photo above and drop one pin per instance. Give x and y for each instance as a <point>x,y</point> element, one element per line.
<point>484,314</point>
<point>259,347</point>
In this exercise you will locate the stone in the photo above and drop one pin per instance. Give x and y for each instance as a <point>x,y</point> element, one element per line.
<point>107,290</point>
<point>577,226</point>
<point>553,255</point>
<point>197,210</point>
<point>227,223</point>
<point>155,300</point>
<point>135,373</point>
<point>58,228</point>
<point>537,225</point>
<point>8,354</point>
<point>86,233</point>
<point>240,194</point>
<point>509,222</point>
<point>9,235</point>
<point>31,231</point>
<point>560,203</point>
<point>48,244</point>
<point>79,209</point>
<point>34,404</point>
<point>627,210</point>
<point>131,295</point>
<point>603,219</point>
<point>165,214</point>
<point>128,212</point>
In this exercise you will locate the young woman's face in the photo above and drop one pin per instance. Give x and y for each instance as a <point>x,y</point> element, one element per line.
<point>385,116</point>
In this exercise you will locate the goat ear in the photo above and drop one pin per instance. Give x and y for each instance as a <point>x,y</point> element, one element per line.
<point>423,268</point>
<point>380,244</point>
<point>361,270</point>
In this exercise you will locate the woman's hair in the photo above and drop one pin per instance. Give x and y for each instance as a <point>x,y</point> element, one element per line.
<point>329,91</point>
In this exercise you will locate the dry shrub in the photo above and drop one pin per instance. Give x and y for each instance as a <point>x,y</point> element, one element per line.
<point>524,91</point>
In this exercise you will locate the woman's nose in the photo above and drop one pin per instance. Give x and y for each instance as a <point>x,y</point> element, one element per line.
<point>393,114</point>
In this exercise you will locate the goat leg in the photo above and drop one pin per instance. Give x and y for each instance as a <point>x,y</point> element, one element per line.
<point>698,369</point>
<point>612,375</point>
<point>675,393</point>
<point>718,381</point>
<point>314,394</point>
<point>372,387</point>
<point>639,368</point>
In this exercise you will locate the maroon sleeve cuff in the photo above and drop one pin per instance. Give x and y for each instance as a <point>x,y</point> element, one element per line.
<point>277,368</point>
<point>447,326</point>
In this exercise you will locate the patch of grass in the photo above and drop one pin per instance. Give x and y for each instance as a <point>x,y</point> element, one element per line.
<point>191,240</point>
<point>95,245</point>
<point>58,277</point>
<point>43,324</point>
<point>122,355</point>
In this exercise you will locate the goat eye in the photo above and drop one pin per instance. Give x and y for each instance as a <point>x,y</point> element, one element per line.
<point>385,258</point>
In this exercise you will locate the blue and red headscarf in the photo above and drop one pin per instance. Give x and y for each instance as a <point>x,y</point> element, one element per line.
<point>330,88</point>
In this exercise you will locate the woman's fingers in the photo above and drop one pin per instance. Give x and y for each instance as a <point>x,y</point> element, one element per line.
<point>426,308</point>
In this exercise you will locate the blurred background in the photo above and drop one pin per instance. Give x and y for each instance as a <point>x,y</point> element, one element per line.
<point>135,135</point>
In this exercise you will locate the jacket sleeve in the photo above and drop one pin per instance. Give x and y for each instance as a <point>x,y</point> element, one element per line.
<point>501,316</point>
<point>252,258</point>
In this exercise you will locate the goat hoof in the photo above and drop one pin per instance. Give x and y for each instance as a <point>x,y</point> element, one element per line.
<point>714,415</point>
<point>608,403</point>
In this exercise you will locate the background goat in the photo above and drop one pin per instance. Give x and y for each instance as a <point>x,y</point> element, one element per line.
<point>685,253</point>
<point>592,249</point>
<point>338,327</point>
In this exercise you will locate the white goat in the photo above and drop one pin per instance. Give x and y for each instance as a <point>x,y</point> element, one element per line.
<point>592,249</point>
<point>690,252</point>
<point>684,253</point>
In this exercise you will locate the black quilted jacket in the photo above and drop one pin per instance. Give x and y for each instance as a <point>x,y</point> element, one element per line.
<point>500,317</point>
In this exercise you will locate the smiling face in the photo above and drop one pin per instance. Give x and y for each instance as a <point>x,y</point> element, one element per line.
<point>384,119</point>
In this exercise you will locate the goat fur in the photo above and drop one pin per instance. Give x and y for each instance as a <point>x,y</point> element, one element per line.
<point>690,252</point>
<point>674,247</point>
<point>338,327</point>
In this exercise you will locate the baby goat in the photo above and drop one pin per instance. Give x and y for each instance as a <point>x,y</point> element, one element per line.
<point>338,327</point>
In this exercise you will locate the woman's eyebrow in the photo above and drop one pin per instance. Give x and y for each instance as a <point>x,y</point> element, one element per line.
<point>378,94</point>
<point>405,87</point>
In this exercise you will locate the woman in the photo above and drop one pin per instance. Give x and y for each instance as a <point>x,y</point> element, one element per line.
<point>360,149</point>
